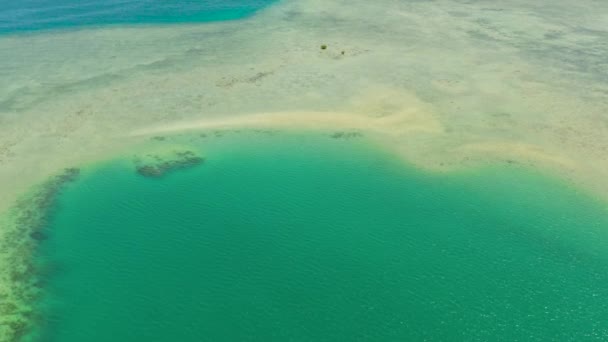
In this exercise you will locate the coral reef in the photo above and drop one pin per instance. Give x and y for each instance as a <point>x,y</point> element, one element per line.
<point>22,230</point>
<point>346,134</point>
<point>158,164</point>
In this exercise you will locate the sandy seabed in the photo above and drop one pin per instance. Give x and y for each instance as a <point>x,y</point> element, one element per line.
<point>445,84</point>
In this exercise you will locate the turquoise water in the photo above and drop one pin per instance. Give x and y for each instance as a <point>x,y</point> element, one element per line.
<point>31,15</point>
<point>308,238</point>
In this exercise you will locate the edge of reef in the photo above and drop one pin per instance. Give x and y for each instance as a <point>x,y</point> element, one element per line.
<point>21,279</point>
<point>23,227</point>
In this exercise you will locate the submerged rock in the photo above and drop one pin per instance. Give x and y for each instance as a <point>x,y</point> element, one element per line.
<point>158,165</point>
<point>38,236</point>
<point>346,134</point>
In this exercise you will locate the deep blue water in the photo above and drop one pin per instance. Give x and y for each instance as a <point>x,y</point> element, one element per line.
<point>31,15</point>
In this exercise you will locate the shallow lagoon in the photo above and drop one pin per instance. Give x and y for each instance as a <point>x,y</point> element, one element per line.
<point>306,237</point>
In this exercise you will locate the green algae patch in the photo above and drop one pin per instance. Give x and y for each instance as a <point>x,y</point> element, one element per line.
<point>22,228</point>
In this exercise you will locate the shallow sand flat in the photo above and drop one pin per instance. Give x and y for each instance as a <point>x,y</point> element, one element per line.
<point>446,84</point>
<point>493,79</point>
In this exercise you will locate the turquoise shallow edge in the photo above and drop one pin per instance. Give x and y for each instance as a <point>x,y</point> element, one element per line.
<point>41,15</point>
<point>320,239</point>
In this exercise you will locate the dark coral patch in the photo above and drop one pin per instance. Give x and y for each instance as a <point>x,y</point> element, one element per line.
<point>157,166</point>
<point>346,135</point>
<point>38,236</point>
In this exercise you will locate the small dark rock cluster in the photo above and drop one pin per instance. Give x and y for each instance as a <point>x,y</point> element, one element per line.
<point>346,135</point>
<point>342,52</point>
